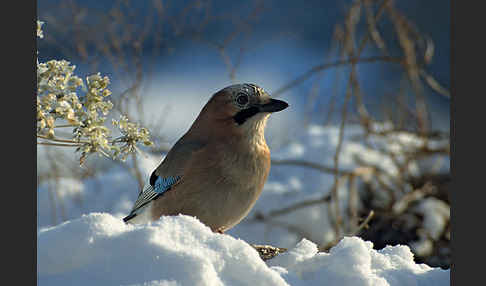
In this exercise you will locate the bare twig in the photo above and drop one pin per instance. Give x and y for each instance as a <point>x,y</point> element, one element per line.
<point>364,224</point>
<point>321,67</point>
<point>434,84</point>
<point>58,144</point>
<point>308,164</point>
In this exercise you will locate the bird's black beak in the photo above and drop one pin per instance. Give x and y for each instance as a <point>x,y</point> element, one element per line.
<point>274,105</point>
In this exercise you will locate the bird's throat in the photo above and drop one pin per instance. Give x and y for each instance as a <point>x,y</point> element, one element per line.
<point>243,115</point>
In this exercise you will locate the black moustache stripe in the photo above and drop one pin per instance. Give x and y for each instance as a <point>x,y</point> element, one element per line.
<point>153,178</point>
<point>244,114</point>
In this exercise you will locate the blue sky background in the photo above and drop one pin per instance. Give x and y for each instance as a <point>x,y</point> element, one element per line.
<point>287,38</point>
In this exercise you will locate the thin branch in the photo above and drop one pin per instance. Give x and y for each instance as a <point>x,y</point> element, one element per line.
<point>58,144</point>
<point>65,125</point>
<point>294,207</point>
<point>334,190</point>
<point>136,170</point>
<point>321,67</point>
<point>368,35</point>
<point>312,165</point>
<point>436,86</point>
<point>55,139</point>
<point>364,224</point>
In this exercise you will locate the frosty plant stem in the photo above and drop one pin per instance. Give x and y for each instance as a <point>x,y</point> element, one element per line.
<point>60,106</point>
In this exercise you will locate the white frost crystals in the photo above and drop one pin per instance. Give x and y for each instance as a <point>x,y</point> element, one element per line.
<point>65,101</point>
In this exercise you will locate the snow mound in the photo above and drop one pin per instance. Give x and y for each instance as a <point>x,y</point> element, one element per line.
<point>354,262</point>
<point>99,249</point>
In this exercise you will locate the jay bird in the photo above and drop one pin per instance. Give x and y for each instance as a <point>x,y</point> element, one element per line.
<point>217,169</point>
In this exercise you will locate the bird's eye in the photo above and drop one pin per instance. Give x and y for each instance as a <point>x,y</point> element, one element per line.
<point>242,99</point>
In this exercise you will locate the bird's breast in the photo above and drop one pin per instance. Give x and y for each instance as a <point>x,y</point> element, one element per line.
<point>245,175</point>
<point>234,181</point>
<point>247,166</point>
<point>220,185</point>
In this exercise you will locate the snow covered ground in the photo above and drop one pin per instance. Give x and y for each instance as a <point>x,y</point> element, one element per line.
<point>99,249</point>
<point>94,247</point>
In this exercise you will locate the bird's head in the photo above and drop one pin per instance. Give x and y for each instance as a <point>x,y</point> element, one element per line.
<point>249,103</point>
<point>243,108</point>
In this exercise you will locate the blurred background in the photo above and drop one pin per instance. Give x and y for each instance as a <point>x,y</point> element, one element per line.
<point>363,149</point>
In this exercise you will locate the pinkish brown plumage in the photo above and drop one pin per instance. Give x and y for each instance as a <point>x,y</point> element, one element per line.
<point>217,170</point>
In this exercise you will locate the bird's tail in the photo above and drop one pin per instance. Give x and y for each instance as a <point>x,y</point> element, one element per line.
<point>129,217</point>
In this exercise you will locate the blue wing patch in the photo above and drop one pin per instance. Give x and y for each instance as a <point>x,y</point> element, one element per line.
<point>155,187</point>
<point>163,184</point>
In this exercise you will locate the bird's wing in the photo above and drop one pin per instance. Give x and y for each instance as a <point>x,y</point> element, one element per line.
<point>166,175</point>
<point>177,159</point>
<point>151,191</point>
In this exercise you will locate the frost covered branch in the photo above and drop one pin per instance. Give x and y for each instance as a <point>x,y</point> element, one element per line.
<point>65,100</point>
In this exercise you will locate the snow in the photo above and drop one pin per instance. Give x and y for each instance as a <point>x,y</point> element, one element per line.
<point>83,241</point>
<point>100,249</point>
<point>355,262</point>
<point>436,215</point>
